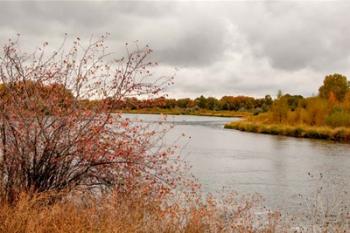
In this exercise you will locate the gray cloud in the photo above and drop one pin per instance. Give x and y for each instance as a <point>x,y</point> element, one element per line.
<point>252,48</point>
<point>298,35</point>
<point>202,43</point>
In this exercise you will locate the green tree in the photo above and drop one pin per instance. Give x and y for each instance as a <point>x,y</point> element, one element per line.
<point>170,103</point>
<point>201,102</point>
<point>293,101</point>
<point>336,83</point>
<point>213,103</point>
<point>183,103</point>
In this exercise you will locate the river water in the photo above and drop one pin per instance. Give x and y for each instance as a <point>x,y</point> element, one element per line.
<point>286,171</point>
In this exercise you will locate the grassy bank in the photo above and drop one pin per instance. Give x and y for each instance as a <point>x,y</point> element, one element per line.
<point>179,111</point>
<point>340,134</point>
<point>130,215</point>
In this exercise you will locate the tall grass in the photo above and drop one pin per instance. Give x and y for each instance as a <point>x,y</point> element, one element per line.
<point>116,214</point>
<point>113,213</point>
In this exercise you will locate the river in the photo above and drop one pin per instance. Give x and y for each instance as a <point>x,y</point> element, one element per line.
<point>286,171</point>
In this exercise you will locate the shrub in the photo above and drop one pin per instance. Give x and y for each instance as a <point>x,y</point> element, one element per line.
<point>49,141</point>
<point>338,119</point>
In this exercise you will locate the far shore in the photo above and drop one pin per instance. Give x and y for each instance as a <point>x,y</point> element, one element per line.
<point>200,112</point>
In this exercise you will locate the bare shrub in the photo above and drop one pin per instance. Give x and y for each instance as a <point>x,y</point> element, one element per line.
<point>51,140</point>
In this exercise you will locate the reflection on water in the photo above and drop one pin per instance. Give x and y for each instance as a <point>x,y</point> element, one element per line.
<point>275,166</point>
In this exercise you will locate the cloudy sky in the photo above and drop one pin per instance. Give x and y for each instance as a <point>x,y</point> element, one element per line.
<point>217,48</point>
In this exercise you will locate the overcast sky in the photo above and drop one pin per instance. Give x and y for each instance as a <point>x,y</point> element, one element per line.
<point>218,48</point>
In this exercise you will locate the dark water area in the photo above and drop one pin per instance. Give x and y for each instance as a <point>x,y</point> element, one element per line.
<point>286,171</point>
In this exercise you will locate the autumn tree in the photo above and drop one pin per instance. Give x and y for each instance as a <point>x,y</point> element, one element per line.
<point>336,83</point>
<point>332,99</point>
<point>279,109</point>
<point>64,97</point>
<point>184,103</point>
<point>346,102</point>
<point>316,111</point>
<point>73,146</point>
<point>237,103</point>
<point>170,103</point>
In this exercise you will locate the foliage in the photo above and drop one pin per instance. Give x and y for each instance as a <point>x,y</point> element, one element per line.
<point>236,103</point>
<point>331,108</point>
<point>226,103</point>
<point>346,102</point>
<point>293,101</point>
<point>338,118</point>
<point>185,103</point>
<point>316,111</point>
<point>188,111</point>
<point>201,102</point>
<point>213,103</point>
<point>279,109</point>
<point>335,83</point>
<point>324,117</point>
<point>29,89</point>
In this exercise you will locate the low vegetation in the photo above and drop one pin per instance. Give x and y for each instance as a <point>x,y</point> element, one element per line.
<point>340,134</point>
<point>126,214</point>
<point>71,164</point>
<point>326,116</point>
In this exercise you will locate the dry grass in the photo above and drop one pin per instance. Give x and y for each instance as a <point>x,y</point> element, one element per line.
<point>113,214</point>
<point>339,134</point>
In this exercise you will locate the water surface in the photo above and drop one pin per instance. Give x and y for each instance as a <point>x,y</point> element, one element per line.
<point>277,167</point>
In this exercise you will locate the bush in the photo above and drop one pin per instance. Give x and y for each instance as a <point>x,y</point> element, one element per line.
<point>338,119</point>
<point>49,141</point>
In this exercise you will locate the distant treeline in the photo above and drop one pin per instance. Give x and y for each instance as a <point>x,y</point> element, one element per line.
<point>229,103</point>
<point>330,108</point>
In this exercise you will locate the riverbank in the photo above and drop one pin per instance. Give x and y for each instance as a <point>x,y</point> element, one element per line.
<point>177,111</point>
<point>131,214</point>
<point>340,134</point>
